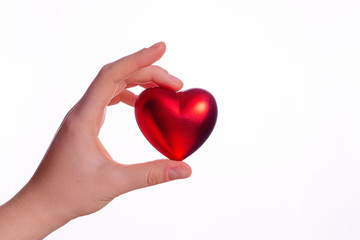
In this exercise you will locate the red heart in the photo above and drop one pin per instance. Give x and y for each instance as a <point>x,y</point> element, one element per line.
<point>176,123</point>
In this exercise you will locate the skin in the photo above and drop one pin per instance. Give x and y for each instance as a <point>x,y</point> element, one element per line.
<point>77,176</point>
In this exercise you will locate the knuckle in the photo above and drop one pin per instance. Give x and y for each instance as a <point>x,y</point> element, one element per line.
<point>105,69</point>
<point>155,176</point>
<point>158,68</point>
<point>72,121</point>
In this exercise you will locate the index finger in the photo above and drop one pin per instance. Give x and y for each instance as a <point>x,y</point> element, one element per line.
<point>111,77</point>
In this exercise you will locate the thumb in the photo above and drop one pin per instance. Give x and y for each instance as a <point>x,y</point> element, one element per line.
<point>146,174</point>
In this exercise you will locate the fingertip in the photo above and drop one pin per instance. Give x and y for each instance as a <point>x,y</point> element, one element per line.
<point>180,170</point>
<point>163,45</point>
<point>160,46</point>
<point>181,85</point>
<point>178,173</point>
<point>177,83</point>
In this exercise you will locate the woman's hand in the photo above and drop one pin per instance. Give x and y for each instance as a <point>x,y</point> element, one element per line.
<point>77,176</point>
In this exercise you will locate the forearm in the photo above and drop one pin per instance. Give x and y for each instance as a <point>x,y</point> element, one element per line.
<point>27,217</point>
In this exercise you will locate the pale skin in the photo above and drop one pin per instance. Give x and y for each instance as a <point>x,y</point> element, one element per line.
<point>77,176</point>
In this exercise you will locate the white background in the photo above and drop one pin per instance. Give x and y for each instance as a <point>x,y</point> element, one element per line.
<point>284,159</point>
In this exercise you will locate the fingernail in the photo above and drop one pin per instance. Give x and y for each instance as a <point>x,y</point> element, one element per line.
<point>156,45</point>
<point>178,173</point>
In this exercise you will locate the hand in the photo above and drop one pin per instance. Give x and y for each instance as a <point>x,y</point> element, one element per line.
<point>77,176</point>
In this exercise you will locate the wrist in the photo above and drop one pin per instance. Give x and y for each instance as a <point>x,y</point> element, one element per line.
<point>30,215</point>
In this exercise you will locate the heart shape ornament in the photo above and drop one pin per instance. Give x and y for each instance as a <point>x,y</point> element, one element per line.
<point>176,123</point>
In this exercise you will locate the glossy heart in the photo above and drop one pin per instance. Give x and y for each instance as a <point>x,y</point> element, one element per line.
<point>176,123</point>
